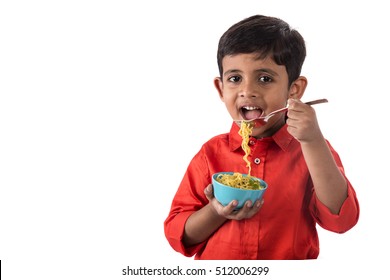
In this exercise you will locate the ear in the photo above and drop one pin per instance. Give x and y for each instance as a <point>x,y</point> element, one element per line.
<point>297,88</point>
<point>219,86</point>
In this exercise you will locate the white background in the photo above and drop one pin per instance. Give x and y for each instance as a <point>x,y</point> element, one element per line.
<point>91,153</point>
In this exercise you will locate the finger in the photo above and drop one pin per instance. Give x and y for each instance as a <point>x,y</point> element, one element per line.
<point>248,210</point>
<point>255,208</point>
<point>292,120</point>
<point>208,191</point>
<point>225,211</point>
<point>230,209</point>
<point>293,103</point>
<point>293,109</point>
<point>245,210</point>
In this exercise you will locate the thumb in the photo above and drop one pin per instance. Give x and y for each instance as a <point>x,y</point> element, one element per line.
<point>208,191</point>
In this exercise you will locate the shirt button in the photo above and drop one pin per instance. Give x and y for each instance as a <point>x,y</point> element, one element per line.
<point>251,142</point>
<point>257,160</point>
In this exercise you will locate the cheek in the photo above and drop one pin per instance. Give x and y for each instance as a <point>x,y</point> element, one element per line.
<point>229,100</point>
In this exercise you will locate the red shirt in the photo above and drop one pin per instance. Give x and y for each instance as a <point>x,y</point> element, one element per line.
<point>285,226</point>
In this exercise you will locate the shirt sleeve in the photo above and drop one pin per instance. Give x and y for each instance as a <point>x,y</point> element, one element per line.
<point>348,216</point>
<point>188,199</point>
<point>344,220</point>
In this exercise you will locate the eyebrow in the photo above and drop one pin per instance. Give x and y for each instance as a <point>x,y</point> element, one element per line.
<point>266,70</point>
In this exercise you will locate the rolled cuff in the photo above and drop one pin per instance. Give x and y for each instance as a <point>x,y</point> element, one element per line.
<point>174,232</point>
<point>344,220</point>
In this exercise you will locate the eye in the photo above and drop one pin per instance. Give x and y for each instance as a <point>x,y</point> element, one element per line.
<point>265,79</point>
<point>234,79</point>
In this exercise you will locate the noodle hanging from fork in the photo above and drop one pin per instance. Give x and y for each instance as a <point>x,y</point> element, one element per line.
<point>237,180</point>
<point>245,131</point>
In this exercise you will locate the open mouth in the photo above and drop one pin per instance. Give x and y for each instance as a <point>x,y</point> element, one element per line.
<point>250,112</point>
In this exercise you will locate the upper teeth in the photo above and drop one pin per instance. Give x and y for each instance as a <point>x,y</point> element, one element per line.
<point>250,108</point>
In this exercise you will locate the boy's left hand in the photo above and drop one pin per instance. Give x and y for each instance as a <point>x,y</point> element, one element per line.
<point>228,211</point>
<point>302,121</point>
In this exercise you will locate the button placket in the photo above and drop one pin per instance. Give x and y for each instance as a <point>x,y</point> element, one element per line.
<point>259,154</point>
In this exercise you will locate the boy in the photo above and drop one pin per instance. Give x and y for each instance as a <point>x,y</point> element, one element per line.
<point>260,60</point>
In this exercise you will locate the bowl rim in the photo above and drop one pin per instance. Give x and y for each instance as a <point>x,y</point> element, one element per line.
<point>262,182</point>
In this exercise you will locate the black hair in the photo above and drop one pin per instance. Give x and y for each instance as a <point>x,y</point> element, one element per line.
<point>266,36</point>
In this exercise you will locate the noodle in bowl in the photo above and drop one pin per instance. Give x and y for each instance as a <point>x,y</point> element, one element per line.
<point>225,193</point>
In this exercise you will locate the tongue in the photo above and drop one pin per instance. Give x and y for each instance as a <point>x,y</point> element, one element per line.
<point>252,114</point>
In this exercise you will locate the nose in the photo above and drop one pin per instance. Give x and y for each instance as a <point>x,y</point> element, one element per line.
<point>248,90</point>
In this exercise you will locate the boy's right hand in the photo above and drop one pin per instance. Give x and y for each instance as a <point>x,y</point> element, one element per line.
<point>228,211</point>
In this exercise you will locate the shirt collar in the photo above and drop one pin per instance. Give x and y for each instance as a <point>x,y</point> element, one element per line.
<point>282,138</point>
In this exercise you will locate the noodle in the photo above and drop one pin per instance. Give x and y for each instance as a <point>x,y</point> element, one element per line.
<point>237,180</point>
<point>245,131</point>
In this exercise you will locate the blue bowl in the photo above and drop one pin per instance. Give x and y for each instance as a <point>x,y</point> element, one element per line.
<point>225,194</point>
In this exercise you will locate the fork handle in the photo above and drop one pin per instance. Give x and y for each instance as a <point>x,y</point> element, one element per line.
<point>317,101</point>
<point>313,102</point>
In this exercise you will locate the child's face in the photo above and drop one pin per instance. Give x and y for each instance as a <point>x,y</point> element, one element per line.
<point>250,87</point>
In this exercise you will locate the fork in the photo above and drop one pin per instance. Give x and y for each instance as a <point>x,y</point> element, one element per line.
<point>262,120</point>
